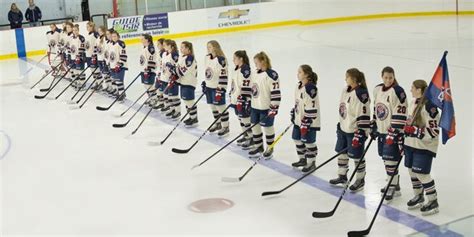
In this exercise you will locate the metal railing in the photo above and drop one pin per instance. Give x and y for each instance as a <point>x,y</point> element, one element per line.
<point>41,23</point>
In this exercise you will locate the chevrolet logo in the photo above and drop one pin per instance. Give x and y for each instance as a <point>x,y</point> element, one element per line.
<point>234,13</point>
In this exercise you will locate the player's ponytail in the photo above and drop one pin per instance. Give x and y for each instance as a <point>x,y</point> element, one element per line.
<point>417,118</point>
<point>189,46</point>
<point>263,57</point>
<point>357,76</point>
<point>308,71</point>
<point>243,55</point>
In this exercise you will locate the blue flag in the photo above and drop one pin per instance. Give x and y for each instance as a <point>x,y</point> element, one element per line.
<point>440,94</point>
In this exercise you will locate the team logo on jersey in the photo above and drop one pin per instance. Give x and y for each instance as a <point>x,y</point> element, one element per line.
<point>343,110</point>
<point>209,73</point>
<point>52,43</point>
<point>61,41</point>
<point>73,49</point>
<point>88,45</point>
<point>381,111</point>
<point>255,91</point>
<point>112,56</point>
<point>99,50</point>
<point>106,54</point>
<point>142,60</point>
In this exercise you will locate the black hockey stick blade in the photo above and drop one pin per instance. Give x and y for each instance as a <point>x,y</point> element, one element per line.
<point>271,193</point>
<point>180,151</point>
<point>323,214</point>
<point>102,108</point>
<point>357,233</point>
<point>119,125</point>
<point>45,89</point>
<point>40,96</point>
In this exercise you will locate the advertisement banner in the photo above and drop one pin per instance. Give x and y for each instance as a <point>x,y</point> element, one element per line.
<point>135,26</point>
<point>232,16</point>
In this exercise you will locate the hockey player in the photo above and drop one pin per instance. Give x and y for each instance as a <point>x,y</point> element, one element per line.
<point>186,69</point>
<point>78,57</point>
<point>148,65</point>
<point>306,117</point>
<point>65,41</point>
<point>108,86</point>
<point>421,144</point>
<point>53,51</point>
<point>215,86</point>
<point>169,80</point>
<point>390,115</point>
<point>353,128</point>
<point>241,95</point>
<point>99,45</point>
<point>266,99</point>
<point>118,65</point>
<point>159,84</point>
<point>91,48</point>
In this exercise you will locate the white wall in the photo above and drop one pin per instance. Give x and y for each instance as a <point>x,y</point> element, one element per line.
<point>7,42</point>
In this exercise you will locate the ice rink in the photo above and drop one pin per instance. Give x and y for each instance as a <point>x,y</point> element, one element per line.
<point>68,172</point>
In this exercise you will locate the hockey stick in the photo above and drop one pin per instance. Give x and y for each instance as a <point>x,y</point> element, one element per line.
<point>223,147</point>
<point>183,151</point>
<point>181,120</point>
<point>357,233</point>
<point>121,125</point>
<point>82,86</point>
<point>29,70</point>
<point>304,176</point>
<point>50,89</point>
<point>151,108</point>
<point>72,82</point>
<point>235,180</point>
<point>90,95</point>
<point>44,76</point>
<point>116,99</point>
<point>135,102</point>
<point>330,213</point>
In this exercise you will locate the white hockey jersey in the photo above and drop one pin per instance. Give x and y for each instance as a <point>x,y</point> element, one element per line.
<point>107,49</point>
<point>91,44</point>
<point>118,54</point>
<point>148,59</point>
<point>430,117</point>
<point>390,108</point>
<point>307,104</point>
<point>216,72</point>
<point>240,83</point>
<point>265,89</point>
<point>67,44</point>
<point>354,110</point>
<point>187,70</point>
<point>53,41</point>
<point>77,47</point>
<point>168,64</point>
<point>62,41</point>
<point>100,48</point>
<point>159,66</point>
